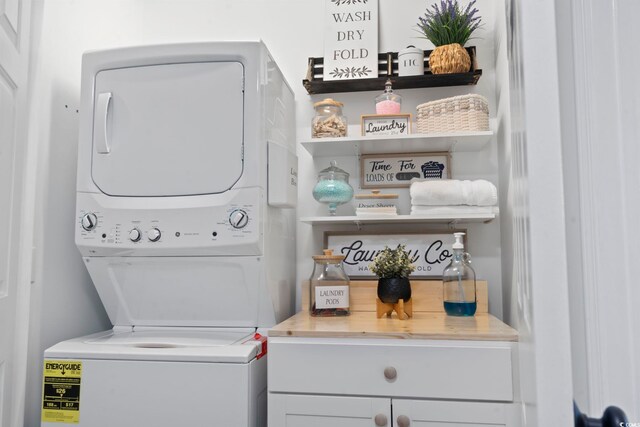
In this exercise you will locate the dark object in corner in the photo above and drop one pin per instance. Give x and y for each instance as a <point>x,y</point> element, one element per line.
<point>612,417</point>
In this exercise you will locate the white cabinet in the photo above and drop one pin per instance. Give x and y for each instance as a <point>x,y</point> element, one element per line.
<point>424,413</point>
<point>403,382</point>
<point>293,410</point>
<point>290,410</point>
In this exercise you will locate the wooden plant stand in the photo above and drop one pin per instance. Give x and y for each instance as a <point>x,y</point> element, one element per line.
<point>404,309</point>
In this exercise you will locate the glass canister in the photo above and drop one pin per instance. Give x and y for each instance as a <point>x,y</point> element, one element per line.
<point>329,290</point>
<point>459,282</point>
<point>388,102</point>
<point>328,121</point>
<point>333,187</point>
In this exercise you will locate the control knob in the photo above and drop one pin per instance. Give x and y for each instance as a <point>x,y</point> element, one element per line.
<point>135,235</point>
<point>89,221</point>
<point>154,234</point>
<point>239,218</point>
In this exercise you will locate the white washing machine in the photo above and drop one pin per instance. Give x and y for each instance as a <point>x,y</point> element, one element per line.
<point>187,178</point>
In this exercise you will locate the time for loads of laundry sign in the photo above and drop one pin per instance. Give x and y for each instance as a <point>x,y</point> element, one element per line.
<point>397,170</point>
<point>351,39</point>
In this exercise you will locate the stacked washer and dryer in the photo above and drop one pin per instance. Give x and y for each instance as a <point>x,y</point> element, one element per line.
<point>186,183</point>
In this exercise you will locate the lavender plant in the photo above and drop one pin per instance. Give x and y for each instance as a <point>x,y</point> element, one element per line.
<point>392,263</point>
<point>448,23</point>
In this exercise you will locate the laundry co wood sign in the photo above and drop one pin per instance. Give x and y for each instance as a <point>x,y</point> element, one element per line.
<point>430,252</point>
<point>351,39</point>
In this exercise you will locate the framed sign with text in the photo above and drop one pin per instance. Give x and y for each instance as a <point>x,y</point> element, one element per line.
<point>397,170</point>
<point>387,124</point>
<point>350,39</point>
<point>430,251</point>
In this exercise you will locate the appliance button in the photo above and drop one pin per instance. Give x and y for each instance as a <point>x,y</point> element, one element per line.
<point>154,234</point>
<point>89,221</point>
<point>135,235</point>
<point>239,218</point>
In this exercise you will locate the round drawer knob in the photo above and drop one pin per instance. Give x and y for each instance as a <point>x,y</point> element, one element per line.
<point>381,420</point>
<point>390,373</point>
<point>403,421</point>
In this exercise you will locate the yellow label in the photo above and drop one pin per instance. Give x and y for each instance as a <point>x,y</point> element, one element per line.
<point>61,391</point>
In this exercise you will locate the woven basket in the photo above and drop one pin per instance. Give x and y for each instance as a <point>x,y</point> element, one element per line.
<point>449,58</point>
<point>460,113</point>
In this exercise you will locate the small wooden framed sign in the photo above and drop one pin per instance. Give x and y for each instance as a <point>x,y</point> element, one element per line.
<point>430,251</point>
<point>385,124</point>
<point>397,170</point>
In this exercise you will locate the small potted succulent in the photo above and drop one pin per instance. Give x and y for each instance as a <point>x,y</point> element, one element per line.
<point>448,26</point>
<point>393,267</point>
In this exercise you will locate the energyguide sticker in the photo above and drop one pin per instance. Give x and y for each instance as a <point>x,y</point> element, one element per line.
<point>61,391</point>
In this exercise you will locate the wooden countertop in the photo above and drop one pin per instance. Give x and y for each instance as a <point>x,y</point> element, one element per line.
<point>423,325</point>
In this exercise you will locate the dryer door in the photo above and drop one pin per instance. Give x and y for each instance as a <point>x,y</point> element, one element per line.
<point>168,130</point>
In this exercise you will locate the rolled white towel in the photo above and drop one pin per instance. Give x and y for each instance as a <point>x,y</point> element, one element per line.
<point>452,192</point>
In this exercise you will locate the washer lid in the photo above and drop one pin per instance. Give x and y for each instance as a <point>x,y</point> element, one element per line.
<point>163,344</point>
<point>169,129</point>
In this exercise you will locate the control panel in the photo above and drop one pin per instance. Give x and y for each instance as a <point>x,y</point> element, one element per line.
<point>225,224</point>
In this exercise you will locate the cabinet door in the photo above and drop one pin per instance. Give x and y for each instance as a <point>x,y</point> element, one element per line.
<point>286,410</point>
<point>424,413</point>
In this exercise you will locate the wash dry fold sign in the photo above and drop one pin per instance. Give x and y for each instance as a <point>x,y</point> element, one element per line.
<point>351,39</point>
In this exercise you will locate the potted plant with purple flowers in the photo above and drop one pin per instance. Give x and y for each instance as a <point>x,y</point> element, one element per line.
<point>448,26</point>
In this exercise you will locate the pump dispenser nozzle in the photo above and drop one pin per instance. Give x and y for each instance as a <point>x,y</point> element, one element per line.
<point>458,243</point>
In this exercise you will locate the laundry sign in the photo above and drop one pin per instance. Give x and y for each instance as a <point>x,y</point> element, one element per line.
<point>397,170</point>
<point>430,252</point>
<point>351,39</point>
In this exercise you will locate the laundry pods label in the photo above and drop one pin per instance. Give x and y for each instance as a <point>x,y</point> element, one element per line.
<point>332,297</point>
<point>61,391</point>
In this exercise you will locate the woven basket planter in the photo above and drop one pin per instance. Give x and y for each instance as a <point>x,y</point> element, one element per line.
<point>457,114</point>
<point>449,58</point>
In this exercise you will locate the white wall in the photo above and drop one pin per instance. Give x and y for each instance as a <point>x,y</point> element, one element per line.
<point>65,303</point>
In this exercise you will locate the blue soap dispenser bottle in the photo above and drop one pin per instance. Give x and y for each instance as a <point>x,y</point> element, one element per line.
<point>459,282</point>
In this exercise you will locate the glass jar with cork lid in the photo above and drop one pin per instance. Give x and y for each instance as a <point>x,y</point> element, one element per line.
<point>328,121</point>
<point>329,286</point>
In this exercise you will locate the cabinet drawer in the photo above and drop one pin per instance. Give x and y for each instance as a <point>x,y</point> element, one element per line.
<point>425,413</point>
<point>393,368</point>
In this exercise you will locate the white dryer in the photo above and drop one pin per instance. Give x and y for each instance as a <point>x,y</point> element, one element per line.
<point>186,179</point>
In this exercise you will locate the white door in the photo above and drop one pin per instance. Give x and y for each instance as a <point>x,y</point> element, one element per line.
<point>426,413</point>
<point>537,216</point>
<point>601,134</point>
<point>293,410</point>
<point>14,253</point>
<point>149,121</point>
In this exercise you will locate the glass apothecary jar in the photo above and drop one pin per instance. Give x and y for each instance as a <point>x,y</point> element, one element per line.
<point>388,102</point>
<point>328,121</point>
<point>329,289</point>
<point>333,187</point>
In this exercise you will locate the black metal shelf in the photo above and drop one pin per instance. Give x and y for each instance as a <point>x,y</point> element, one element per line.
<point>388,68</point>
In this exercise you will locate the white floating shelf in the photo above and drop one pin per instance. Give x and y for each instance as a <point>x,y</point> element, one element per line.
<point>414,143</point>
<point>467,217</point>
